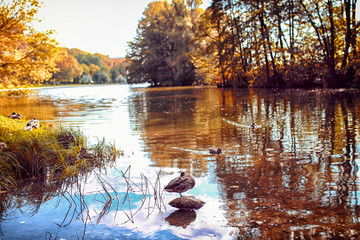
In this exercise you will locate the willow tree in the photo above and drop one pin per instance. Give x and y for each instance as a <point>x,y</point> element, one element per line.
<point>160,53</point>
<point>26,55</point>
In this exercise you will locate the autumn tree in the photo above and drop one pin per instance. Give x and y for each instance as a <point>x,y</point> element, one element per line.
<point>69,69</point>
<point>101,77</point>
<point>98,67</point>
<point>26,56</point>
<point>120,65</point>
<point>160,53</point>
<point>334,25</point>
<point>204,55</point>
<point>284,43</point>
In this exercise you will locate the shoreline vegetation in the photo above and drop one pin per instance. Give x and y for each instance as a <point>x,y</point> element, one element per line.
<point>242,44</point>
<point>48,162</point>
<point>31,89</point>
<point>17,92</point>
<point>275,44</point>
<point>47,154</point>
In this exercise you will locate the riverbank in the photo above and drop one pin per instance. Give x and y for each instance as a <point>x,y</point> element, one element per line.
<point>47,153</point>
<point>31,89</point>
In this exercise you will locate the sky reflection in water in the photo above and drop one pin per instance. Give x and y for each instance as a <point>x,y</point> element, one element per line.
<point>295,176</point>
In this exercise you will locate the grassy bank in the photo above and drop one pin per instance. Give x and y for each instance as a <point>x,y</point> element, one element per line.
<point>47,153</point>
<point>17,92</point>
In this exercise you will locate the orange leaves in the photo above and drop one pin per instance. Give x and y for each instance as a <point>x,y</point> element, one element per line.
<point>26,56</point>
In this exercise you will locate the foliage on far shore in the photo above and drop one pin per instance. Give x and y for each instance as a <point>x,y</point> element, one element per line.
<point>79,67</point>
<point>268,43</point>
<point>29,56</point>
<point>51,154</point>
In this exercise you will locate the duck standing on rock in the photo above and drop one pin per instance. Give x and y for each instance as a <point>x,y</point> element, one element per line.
<point>215,150</point>
<point>33,124</point>
<point>180,184</point>
<point>15,115</point>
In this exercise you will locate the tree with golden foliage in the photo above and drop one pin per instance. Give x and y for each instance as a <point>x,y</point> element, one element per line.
<point>69,69</point>
<point>284,43</point>
<point>160,53</point>
<point>26,56</point>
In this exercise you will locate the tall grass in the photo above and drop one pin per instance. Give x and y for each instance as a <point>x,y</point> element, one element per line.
<point>47,153</point>
<point>53,159</point>
<point>17,92</point>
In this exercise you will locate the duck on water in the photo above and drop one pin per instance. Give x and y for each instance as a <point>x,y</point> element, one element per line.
<point>214,150</point>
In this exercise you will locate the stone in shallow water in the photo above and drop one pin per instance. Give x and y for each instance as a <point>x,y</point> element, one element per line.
<point>186,203</point>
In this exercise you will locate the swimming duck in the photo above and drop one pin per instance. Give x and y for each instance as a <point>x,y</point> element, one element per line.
<point>34,123</point>
<point>15,115</point>
<point>180,184</point>
<point>215,150</point>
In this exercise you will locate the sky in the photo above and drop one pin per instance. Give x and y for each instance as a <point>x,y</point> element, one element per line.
<point>93,26</point>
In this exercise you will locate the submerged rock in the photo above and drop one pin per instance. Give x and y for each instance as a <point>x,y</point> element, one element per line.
<point>186,203</point>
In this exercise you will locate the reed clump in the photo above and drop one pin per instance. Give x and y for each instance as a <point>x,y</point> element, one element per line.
<point>47,153</point>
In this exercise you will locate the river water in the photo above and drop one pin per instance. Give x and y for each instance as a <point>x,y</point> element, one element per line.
<point>295,176</point>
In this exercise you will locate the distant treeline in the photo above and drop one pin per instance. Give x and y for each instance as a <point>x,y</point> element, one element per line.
<point>76,66</point>
<point>28,56</point>
<point>236,43</point>
<point>243,43</point>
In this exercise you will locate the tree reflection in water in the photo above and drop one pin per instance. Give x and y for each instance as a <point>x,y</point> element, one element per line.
<point>294,176</point>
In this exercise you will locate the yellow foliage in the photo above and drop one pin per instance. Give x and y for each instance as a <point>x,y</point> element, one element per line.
<point>68,66</point>
<point>26,56</point>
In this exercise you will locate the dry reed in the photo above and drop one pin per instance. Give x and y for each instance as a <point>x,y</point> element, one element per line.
<point>149,193</point>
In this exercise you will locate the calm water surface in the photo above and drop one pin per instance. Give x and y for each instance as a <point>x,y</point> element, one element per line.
<point>295,176</point>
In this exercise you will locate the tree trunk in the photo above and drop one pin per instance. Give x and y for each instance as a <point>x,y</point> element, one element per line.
<point>264,38</point>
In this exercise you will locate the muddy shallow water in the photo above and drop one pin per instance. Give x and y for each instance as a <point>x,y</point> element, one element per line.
<point>295,176</point>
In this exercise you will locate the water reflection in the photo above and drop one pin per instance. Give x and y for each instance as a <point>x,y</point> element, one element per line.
<point>181,218</point>
<point>295,176</point>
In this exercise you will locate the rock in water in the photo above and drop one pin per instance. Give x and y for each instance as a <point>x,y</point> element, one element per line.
<point>187,203</point>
